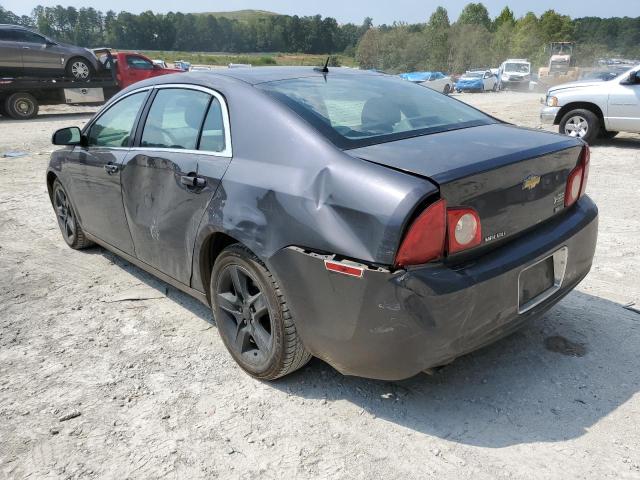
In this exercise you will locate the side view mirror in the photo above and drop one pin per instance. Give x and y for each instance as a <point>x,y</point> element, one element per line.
<point>635,77</point>
<point>68,136</point>
<point>50,43</point>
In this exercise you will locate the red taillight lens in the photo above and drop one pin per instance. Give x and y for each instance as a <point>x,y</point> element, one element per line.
<point>586,159</point>
<point>577,181</point>
<point>464,230</point>
<point>425,239</point>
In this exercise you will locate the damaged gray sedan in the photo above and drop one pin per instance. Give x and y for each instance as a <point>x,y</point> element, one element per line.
<point>348,215</point>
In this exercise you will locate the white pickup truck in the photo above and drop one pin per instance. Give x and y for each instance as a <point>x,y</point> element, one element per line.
<point>592,109</point>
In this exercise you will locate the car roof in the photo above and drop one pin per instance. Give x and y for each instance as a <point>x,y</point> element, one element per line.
<point>256,75</point>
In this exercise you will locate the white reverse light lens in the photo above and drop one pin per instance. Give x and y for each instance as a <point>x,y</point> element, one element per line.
<point>575,186</point>
<point>467,227</point>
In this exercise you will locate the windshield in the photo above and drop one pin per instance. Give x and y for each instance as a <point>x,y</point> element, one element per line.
<point>517,67</point>
<point>473,75</point>
<point>357,110</point>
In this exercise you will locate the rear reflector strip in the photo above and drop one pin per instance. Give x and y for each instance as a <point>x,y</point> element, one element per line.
<point>343,268</point>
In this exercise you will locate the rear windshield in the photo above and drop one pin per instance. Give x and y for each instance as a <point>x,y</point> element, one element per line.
<point>358,110</point>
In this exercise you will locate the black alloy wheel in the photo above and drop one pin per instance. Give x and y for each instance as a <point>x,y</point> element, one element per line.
<point>252,316</point>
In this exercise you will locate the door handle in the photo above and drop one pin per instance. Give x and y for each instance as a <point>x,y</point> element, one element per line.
<point>193,181</point>
<point>110,168</point>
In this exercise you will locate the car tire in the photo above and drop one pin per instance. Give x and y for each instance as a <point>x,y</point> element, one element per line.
<point>79,69</point>
<point>607,135</point>
<point>21,106</point>
<point>70,228</point>
<point>582,124</point>
<point>447,89</point>
<point>262,339</point>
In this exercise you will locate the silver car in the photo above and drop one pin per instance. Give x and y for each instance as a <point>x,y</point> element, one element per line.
<point>23,52</point>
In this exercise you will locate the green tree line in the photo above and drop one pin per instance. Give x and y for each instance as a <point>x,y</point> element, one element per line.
<point>192,32</point>
<point>473,40</point>
<point>476,40</point>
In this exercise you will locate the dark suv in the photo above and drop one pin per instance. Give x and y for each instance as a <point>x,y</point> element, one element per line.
<point>23,52</point>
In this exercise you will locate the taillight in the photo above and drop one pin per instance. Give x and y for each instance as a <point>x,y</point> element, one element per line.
<point>424,240</point>
<point>577,180</point>
<point>464,230</point>
<point>438,230</point>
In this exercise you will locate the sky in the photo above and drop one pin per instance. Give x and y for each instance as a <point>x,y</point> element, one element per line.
<point>411,11</point>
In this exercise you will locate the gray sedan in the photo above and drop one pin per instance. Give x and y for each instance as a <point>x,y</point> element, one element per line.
<point>348,215</point>
<point>24,52</point>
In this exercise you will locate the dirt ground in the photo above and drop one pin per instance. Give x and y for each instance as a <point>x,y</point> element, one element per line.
<point>106,372</point>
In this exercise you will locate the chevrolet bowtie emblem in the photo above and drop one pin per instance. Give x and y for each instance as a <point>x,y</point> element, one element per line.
<point>531,182</point>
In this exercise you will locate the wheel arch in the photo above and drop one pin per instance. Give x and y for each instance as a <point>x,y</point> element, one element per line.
<point>592,107</point>
<point>51,178</point>
<point>210,250</point>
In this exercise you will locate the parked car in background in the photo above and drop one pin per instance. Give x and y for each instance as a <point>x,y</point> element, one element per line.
<point>182,65</point>
<point>21,97</point>
<point>477,81</point>
<point>515,74</point>
<point>434,80</point>
<point>590,109</point>
<point>379,225</point>
<point>605,74</point>
<point>24,52</point>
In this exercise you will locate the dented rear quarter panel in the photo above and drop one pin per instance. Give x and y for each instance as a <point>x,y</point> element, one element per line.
<point>286,185</point>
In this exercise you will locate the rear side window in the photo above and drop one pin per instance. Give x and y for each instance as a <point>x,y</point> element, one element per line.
<point>213,134</point>
<point>114,127</point>
<point>175,119</point>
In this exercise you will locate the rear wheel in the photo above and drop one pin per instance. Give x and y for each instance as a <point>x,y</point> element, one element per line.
<point>252,316</point>
<point>79,69</point>
<point>67,221</point>
<point>582,124</point>
<point>447,89</point>
<point>21,106</point>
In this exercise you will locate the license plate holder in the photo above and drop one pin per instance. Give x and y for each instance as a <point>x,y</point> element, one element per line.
<point>539,281</point>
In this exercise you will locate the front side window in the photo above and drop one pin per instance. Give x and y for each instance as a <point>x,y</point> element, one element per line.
<point>114,127</point>
<point>139,63</point>
<point>175,119</point>
<point>359,109</point>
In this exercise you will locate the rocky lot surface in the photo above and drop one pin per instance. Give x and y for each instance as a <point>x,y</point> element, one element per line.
<point>106,372</point>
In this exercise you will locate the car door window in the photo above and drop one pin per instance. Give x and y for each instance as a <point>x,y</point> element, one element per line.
<point>213,133</point>
<point>28,37</point>
<point>139,63</point>
<point>175,119</point>
<point>114,127</point>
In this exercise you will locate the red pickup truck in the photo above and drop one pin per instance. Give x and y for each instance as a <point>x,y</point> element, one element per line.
<point>21,97</point>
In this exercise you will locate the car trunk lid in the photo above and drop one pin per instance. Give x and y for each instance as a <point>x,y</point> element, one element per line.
<point>514,178</point>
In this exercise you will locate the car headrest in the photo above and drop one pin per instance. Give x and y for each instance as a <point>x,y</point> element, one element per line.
<point>380,115</point>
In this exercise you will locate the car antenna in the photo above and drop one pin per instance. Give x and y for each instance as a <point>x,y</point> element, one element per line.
<point>324,69</point>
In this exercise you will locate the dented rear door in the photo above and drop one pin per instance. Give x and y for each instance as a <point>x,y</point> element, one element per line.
<point>170,177</point>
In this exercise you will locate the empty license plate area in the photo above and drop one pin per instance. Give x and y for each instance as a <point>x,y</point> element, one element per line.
<point>539,281</point>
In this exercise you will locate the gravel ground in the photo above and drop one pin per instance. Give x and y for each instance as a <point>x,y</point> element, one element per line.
<point>107,372</point>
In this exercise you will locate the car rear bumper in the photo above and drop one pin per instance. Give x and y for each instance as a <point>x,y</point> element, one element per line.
<point>548,115</point>
<point>392,325</point>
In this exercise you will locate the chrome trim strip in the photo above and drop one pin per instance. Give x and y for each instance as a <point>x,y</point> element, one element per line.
<point>559,269</point>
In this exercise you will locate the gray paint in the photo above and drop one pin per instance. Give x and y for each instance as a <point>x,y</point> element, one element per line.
<point>286,185</point>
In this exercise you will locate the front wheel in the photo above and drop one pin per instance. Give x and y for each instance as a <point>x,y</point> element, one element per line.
<point>67,220</point>
<point>447,89</point>
<point>79,69</point>
<point>252,316</point>
<point>581,123</point>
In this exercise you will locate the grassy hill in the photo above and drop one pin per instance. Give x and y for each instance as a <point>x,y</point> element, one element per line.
<point>241,15</point>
